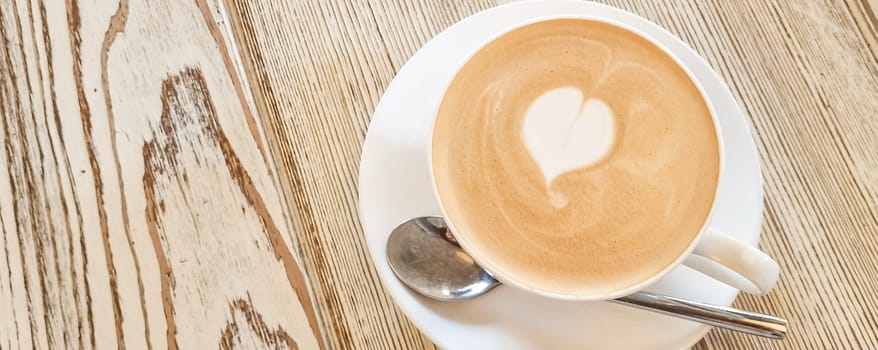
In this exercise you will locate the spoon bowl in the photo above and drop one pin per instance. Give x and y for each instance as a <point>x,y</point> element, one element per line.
<point>424,257</point>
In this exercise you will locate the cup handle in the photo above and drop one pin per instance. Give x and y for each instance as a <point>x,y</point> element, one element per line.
<point>733,262</point>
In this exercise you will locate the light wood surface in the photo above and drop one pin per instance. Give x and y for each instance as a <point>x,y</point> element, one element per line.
<point>139,205</point>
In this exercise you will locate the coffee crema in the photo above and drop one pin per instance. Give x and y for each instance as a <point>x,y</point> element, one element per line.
<point>575,157</point>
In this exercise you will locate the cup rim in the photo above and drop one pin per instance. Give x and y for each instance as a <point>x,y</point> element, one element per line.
<point>489,266</point>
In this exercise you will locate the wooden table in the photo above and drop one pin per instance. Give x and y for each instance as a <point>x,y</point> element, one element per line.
<point>182,174</point>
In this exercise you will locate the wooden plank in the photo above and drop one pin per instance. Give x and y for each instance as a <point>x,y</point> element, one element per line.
<point>804,72</point>
<point>138,207</point>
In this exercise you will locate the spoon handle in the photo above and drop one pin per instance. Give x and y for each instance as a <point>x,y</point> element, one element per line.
<point>717,316</point>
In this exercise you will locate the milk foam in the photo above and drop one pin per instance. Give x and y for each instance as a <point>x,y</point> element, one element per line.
<point>564,132</point>
<point>574,156</point>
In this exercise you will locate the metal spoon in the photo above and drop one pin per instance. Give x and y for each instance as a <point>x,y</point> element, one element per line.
<point>424,256</point>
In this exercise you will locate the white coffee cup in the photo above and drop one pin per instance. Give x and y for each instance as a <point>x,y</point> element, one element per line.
<point>711,252</point>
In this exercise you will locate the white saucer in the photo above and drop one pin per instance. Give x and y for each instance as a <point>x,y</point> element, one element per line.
<point>395,186</point>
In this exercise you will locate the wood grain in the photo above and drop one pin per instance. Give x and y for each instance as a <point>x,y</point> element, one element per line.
<point>138,205</point>
<point>804,72</point>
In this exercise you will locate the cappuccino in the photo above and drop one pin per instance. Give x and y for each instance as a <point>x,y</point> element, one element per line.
<point>573,156</point>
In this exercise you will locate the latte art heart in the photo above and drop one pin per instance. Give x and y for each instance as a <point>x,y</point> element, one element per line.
<point>564,132</point>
